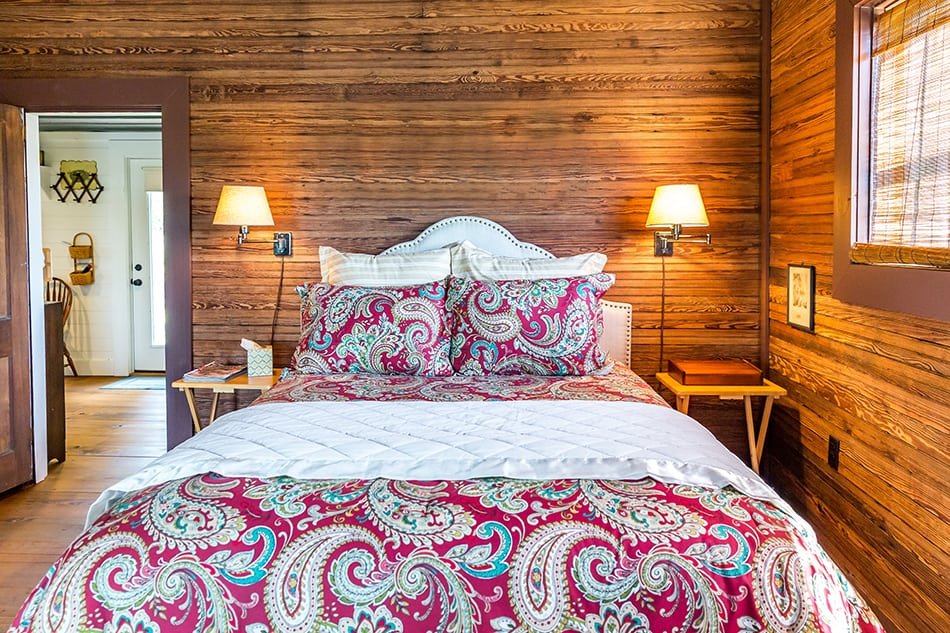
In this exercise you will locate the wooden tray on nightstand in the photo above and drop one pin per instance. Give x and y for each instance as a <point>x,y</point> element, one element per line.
<point>715,372</point>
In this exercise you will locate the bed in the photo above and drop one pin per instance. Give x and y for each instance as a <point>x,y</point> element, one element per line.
<point>449,481</point>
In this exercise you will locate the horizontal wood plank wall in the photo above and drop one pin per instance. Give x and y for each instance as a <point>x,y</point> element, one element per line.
<point>880,382</point>
<point>367,121</point>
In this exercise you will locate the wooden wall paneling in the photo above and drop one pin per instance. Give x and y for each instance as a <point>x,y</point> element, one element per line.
<point>917,484</point>
<point>367,121</point>
<point>878,381</point>
<point>850,531</point>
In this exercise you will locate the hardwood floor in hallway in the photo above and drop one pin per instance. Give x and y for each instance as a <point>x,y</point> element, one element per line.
<point>110,434</point>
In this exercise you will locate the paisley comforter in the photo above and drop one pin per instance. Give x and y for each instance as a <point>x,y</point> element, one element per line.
<point>620,384</point>
<point>404,516</point>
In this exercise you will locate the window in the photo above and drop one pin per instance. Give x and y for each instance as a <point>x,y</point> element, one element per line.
<point>892,232</point>
<point>156,248</point>
<point>909,193</point>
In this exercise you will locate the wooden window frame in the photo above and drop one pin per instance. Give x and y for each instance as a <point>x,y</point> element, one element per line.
<point>915,291</point>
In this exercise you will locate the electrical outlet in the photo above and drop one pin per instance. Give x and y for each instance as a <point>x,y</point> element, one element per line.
<point>834,449</point>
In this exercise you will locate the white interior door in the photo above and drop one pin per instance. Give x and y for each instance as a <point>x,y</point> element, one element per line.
<point>148,265</point>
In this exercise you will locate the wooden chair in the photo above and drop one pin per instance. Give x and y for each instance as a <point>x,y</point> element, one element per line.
<point>58,290</point>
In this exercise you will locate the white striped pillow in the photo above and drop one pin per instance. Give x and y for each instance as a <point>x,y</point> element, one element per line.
<point>402,269</point>
<point>470,261</point>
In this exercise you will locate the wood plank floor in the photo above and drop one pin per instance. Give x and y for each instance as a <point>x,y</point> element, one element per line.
<point>109,435</point>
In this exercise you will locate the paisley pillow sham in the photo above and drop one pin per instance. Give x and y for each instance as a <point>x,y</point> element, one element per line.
<point>357,329</point>
<point>547,327</point>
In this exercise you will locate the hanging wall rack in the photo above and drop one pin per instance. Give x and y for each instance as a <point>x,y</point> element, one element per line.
<point>78,186</point>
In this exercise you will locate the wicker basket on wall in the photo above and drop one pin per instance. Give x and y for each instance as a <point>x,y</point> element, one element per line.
<point>84,270</point>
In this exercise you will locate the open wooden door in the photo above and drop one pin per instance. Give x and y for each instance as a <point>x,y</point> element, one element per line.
<point>16,434</point>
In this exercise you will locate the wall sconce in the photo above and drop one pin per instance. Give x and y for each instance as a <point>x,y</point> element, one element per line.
<point>242,206</point>
<point>676,206</point>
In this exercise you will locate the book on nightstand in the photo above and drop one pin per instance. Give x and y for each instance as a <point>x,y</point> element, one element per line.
<point>715,372</point>
<point>214,372</point>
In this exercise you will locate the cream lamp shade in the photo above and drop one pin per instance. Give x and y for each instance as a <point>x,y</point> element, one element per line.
<point>677,205</point>
<point>243,206</point>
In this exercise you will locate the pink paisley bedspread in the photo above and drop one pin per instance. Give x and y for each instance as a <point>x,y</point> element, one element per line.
<point>620,384</point>
<point>211,553</point>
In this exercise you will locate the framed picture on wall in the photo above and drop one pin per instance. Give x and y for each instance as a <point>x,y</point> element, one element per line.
<point>801,297</point>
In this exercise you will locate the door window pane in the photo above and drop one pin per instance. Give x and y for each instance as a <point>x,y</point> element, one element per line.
<point>156,248</point>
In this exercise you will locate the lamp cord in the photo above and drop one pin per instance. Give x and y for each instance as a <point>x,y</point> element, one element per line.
<point>280,289</point>
<point>662,306</point>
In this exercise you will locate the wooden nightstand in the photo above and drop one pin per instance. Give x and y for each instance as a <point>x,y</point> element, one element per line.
<point>768,389</point>
<point>238,383</point>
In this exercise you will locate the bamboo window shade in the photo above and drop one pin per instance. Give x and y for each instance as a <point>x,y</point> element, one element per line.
<point>909,215</point>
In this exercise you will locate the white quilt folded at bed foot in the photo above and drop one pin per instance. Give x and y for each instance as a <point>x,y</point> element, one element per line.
<point>453,440</point>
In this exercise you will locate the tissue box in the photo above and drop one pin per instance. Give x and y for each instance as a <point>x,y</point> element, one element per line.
<point>260,362</point>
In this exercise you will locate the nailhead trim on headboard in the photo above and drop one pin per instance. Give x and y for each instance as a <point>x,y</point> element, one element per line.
<point>485,234</point>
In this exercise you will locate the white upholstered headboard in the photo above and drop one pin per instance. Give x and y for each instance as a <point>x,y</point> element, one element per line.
<point>494,238</point>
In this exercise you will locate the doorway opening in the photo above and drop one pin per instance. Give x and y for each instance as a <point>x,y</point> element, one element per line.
<point>111,331</point>
<point>117,323</point>
<point>168,95</point>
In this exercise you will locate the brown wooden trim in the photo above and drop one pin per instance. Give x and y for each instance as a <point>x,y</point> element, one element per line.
<point>765,184</point>
<point>890,255</point>
<point>170,96</point>
<point>909,290</point>
<point>6,328</point>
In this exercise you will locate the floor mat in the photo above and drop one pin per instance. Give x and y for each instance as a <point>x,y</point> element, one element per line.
<point>138,382</point>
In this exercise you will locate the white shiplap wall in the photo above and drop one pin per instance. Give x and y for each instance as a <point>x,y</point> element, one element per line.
<point>98,334</point>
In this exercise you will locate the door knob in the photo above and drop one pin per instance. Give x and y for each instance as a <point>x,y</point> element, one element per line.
<point>138,267</point>
<point>136,282</point>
